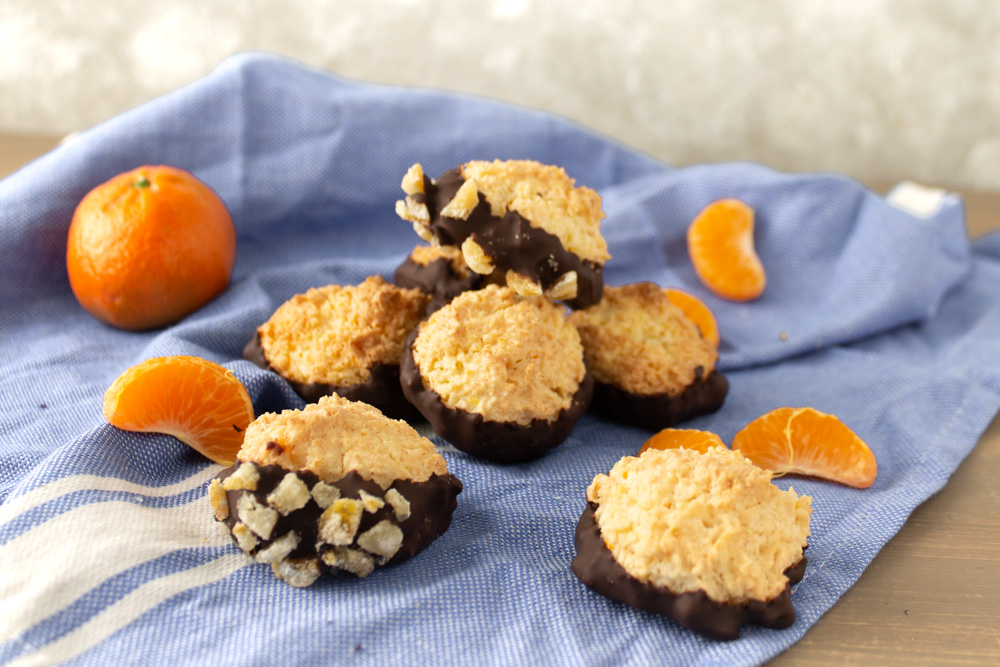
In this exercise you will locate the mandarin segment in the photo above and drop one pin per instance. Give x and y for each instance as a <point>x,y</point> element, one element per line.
<point>686,438</point>
<point>195,400</point>
<point>696,311</point>
<point>808,442</point>
<point>721,247</point>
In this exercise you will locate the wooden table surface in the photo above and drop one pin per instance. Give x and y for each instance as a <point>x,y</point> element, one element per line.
<point>932,596</point>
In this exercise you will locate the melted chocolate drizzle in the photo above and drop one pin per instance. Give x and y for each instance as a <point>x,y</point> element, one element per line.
<point>511,242</point>
<point>596,567</point>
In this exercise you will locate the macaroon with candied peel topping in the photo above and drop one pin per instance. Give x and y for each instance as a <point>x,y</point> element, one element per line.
<point>527,221</point>
<point>702,538</point>
<point>337,487</point>
<point>344,340</point>
<point>652,366</point>
<point>499,376</point>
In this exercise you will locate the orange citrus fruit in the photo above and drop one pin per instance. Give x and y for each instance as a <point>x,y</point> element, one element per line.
<point>808,442</point>
<point>696,311</point>
<point>687,438</point>
<point>149,247</point>
<point>720,243</point>
<point>197,401</point>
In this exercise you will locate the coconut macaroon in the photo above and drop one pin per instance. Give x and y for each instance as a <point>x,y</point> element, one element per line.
<point>522,219</point>
<point>652,366</point>
<point>705,539</point>
<point>342,340</point>
<point>439,271</point>
<point>334,486</point>
<point>501,377</point>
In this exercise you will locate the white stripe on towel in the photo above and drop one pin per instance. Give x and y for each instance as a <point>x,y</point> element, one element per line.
<point>131,607</point>
<point>55,563</point>
<point>65,485</point>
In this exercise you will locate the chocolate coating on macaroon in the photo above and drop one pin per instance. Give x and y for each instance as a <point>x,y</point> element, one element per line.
<point>499,376</point>
<point>343,340</point>
<point>596,567</point>
<point>500,442</point>
<point>652,365</point>
<point>512,224</point>
<point>335,485</point>
<point>381,389</point>
<point>438,271</point>
<point>659,411</point>
<point>704,538</point>
<point>430,505</point>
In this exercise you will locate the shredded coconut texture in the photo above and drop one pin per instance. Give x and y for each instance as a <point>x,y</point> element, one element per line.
<point>547,198</point>
<point>334,335</point>
<point>637,340</point>
<point>335,436</point>
<point>508,358</point>
<point>713,522</point>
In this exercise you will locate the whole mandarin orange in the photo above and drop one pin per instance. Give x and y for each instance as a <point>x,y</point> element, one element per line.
<point>149,247</point>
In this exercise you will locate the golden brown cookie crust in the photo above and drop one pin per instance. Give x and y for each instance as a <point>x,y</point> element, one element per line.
<point>543,194</point>
<point>334,335</point>
<point>335,436</point>
<point>713,522</point>
<point>520,220</point>
<point>507,358</point>
<point>548,198</point>
<point>637,340</point>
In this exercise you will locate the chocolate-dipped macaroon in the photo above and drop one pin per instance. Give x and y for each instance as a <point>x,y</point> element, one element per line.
<point>342,340</point>
<point>335,486</point>
<point>499,376</point>
<point>704,539</point>
<point>520,218</point>
<point>439,271</point>
<point>652,366</point>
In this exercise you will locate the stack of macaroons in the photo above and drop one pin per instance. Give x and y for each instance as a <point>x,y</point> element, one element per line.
<point>512,244</point>
<point>704,539</point>
<point>528,226</point>
<point>334,486</point>
<point>501,333</point>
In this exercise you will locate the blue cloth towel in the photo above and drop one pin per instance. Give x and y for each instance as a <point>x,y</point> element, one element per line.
<point>108,553</point>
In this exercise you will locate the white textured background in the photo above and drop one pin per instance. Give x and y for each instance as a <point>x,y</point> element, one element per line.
<point>881,90</point>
